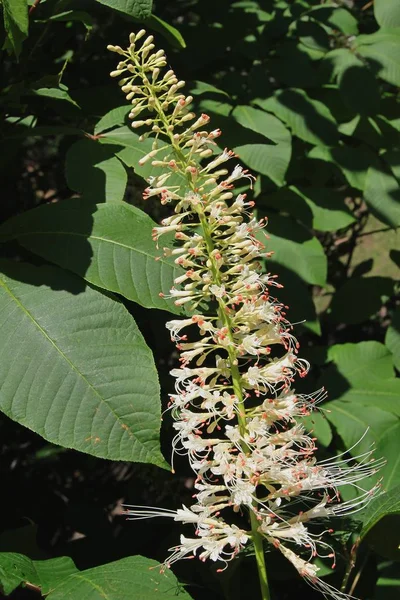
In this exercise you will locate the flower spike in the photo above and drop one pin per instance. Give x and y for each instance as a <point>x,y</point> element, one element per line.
<point>237,416</point>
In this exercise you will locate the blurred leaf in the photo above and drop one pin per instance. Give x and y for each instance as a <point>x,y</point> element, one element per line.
<point>140,9</point>
<point>308,119</point>
<point>295,249</point>
<point>115,117</point>
<point>382,51</point>
<point>17,569</point>
<point>387,13</point>
<point>336,17</point>
<point>94,170</point>
<point>312,35</point>
<point>363,374</point>
<point>16,23</point>
<point>382,193</point>
<point>392,158</point>
<point>85,378</point>
<point>131,578</point>
<point>74,15</point>
<point>109,245</point>
<point>358,299</point>
<point>392,338</point>
<point>388,584</point>
<point>198,88</point>
<point>353,163</point>
<point>273,159</point>
<point>170,33</point>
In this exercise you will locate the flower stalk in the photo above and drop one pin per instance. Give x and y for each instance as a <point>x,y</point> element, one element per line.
<point>236,415</point>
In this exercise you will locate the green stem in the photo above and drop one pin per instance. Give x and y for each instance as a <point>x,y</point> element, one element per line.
<point>260,558</point>
<point>233,358</point>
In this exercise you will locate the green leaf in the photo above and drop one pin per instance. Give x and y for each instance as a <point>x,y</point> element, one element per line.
<point>353,75</point>
<point>16,23</point>
<point>139,9</point>
<point>357,361</point>
<point>382,193</point>
<point>17,569</point>
<point>109,245</point>
<point>295,249</point>
<point>170,33</point>
<point>318,425</point>
<point>392,338</point>
<point>360,298</point>
<point>392,158</point>
<point>382,51</point>
<point>94,170</point>
<point>384,504</point>
<point>323,209</point>
<point>132,578</point>
<point>387,13</point>
<point>303,310</point>
<point>74,15</point>
<point>54,94</point>
<point>75,367</point>
<point>335,17</point>
<point>363,374</point>
<point>198,88</point>
<point>378,427</point>
<point>270,159</point>
<point>353,164</point>
<point>308,119</point>
<point>115,117</point>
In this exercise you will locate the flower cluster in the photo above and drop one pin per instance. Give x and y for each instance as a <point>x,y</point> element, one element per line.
<point>236,415</point>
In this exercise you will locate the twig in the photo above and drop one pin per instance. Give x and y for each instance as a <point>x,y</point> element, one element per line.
<point>34,6</point>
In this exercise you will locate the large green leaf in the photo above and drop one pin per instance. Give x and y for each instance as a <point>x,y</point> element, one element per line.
<point>387,13</point>
<point>294,248</point>
<point>140,9</point>
<point>270,159</point>
<point>363,374</point>
<point>75,368</point>
<point>382,51</point>
<point>392,338</point>
<point>17,569</point>
<point>363,427</point>
<point>353,421</point>
<point>308,119</point>
<point>16,23</point>
<point>353,75</point>
<point>385,504</point>
<point>94,170</point>
<point>115,117</point>
<point>382,193</point>
<point>320,208</point>
<point>132,578</point>
<point>109,245</point>
<point>353,163</point>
